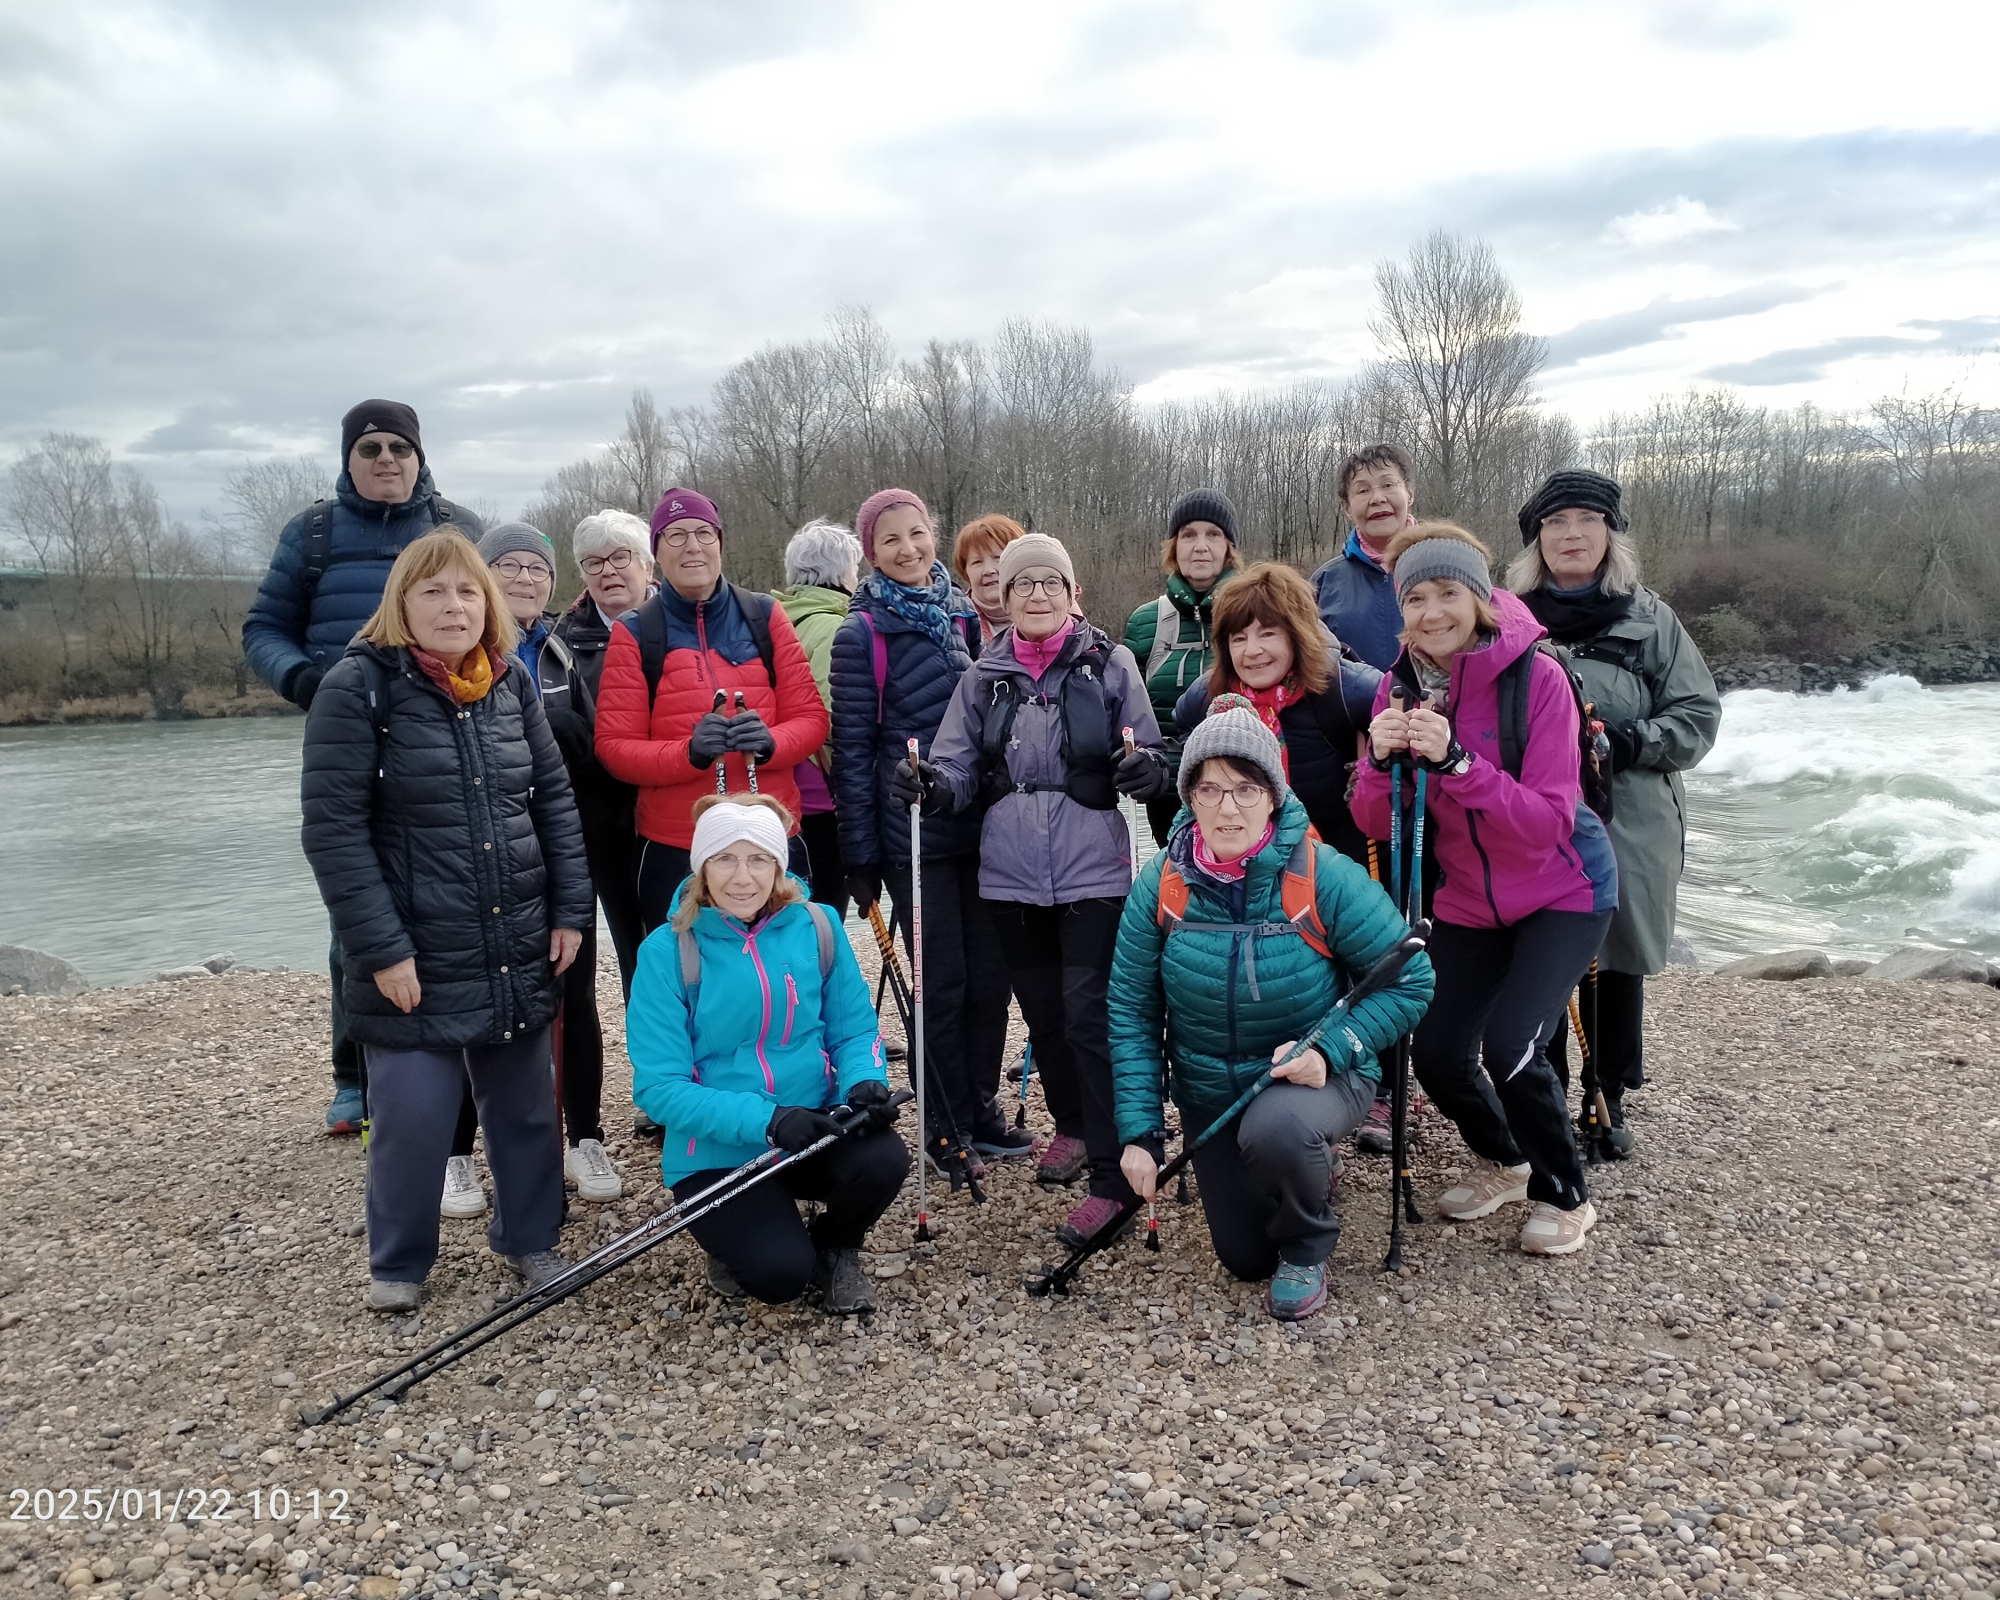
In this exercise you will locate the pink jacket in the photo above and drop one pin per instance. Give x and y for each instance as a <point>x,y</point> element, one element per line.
<point>1505,849</point>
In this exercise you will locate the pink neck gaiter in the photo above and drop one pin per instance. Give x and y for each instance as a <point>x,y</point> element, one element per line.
<point>1229,871</point>
<point>1037,655</point>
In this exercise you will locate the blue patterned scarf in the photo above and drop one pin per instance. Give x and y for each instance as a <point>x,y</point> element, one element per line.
<point>930,610</point>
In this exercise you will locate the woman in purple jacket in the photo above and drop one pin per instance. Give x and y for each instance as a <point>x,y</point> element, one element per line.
<point>1528,883</point>
<point>1035,735</point>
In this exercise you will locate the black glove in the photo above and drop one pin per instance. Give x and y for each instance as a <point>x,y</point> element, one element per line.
<point>749,737</point>
<point>1142,774</point>
<point>870,1097</point>
<point>1625,741</point>
<point>865,885</point>
<point>304,685</point>
<point>797,1128</point>
<point>709,740</point>
<point>913,786</point>
<point>573,737</point>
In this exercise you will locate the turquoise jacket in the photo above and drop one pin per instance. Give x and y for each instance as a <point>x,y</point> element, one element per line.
<point>764,1032</point>
<point>1238,995</point>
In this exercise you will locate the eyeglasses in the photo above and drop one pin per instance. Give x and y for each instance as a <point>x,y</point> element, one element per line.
<point>511,569</point>
<point>369,449</point>
<point>703,536</point>
<point>617,561</point>
<point>1246,795</point>
<point>1024,587</point>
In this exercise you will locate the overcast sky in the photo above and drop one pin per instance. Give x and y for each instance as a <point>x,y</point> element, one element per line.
<point>225,222</point>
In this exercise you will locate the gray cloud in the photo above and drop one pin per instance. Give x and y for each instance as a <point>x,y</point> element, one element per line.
<point>1709,25</point>
<point>1664,318</point>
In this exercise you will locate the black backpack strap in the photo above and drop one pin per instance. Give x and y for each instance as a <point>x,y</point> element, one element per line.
<point>319,544</point>
<point>757,612</point>
<point>1512,692</point>
<point>1623,654</point>
<point>442,510</point>
<point>375,692</point>
<point>652,619</point>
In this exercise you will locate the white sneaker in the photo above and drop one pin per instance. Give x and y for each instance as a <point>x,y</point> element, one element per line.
<point>464,1195</point>
<point>1553,1232</point>
<point>1483,1191</point>
<point>591,1170</point>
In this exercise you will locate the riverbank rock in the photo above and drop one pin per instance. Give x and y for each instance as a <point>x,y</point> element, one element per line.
<point>1681,953</point>
<point>26,971</point>
<point>1851,966</point>
<point>1929,961</point>
<point>1785,966</point>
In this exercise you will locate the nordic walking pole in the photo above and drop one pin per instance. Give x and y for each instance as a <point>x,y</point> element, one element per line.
<point>721,761</point>
<point>1402,1187</point>
<point>1027,1072</point>
<point>1132,829</point>
<point>917,993</point>
<point>1596,1113</point>
<point>749,760</point>
<point>677,1218</point>
<point>892,973</point>
<point>1385,972</point>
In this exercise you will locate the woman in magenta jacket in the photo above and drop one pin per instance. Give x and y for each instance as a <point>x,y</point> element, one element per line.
<point>1527,886</point>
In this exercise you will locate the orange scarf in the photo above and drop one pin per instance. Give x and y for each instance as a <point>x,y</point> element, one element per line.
<point>478,675</point>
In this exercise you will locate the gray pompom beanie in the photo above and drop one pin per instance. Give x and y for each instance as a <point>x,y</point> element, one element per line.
<point>516,538</point>
<point>1233,730</point>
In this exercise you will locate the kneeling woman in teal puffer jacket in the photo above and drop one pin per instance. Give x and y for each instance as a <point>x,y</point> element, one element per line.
<point>1273,927</point>
<point>749,1023</point>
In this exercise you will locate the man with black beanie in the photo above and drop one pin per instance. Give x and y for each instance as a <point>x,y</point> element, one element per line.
<point>326,579</point>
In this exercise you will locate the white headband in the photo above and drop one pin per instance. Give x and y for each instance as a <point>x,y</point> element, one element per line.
<point>724,825</point>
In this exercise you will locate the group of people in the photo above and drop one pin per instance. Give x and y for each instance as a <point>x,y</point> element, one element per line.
<point>725,772</point>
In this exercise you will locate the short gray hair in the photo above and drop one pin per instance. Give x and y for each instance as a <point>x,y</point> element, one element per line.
<point>1619,570</point>
<point>606,530</point>
<point>822,553</point>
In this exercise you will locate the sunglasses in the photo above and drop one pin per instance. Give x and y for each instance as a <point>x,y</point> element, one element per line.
<point>369,449</point>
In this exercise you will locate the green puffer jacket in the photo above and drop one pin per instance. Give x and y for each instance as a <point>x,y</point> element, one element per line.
<point>1229,1012</point>
<point>1187,654</point>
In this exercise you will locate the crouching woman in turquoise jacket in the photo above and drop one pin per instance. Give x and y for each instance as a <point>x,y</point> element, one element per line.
<point>1237,938</point>
<point>749,1023</point>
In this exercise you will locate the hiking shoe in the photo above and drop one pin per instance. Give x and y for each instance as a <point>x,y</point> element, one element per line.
<point>1484,1191</point>
<point>644,1127</point>
<point>1087,1220</point>
<point>1550,1231</point>
<point>537,1268</point>
<point>1002,1142</point>
<point>345,1114</point>
<point>464,1194</point>
<point>587,1166</point>
<point>1063,1161</point>
<point>722,1281</point>
<point>943,1152</point>
<point>842,1285</point>
<point>1296,1292</point>
<point>1373,1137</point>
<point>385,1295</point>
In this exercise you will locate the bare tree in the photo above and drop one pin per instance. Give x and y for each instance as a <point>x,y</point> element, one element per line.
<point>862,364</point>
<point>62,502</point>
<point>260,498</point>
<point>777,416</point>
<point>1449,325</point>
<point>152,608</point>
<point>645,456</point>
<point>942,421</point>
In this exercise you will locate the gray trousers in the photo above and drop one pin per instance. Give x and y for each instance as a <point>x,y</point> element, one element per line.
<point>413,1100</point>
<point>1268,1192</point>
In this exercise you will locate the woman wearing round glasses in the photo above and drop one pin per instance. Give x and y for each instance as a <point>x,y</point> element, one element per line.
<point>1035,735</point>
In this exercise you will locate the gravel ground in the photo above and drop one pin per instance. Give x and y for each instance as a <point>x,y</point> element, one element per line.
<point>1773,1373</point>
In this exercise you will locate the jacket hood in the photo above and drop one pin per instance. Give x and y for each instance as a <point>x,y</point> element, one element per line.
<point>1519,633</point>
<point>375,510</point>
<point>812,600</point>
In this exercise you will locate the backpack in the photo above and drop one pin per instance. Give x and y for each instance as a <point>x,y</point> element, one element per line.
<point>1594,749</point>
<point>1167,615</point>
<point>375,681</point>
<point>1298,894</point>
<point>878,652</point>
<point>319,537</point>
<point>650,623</point>
<point>1088,734</point>
<point>690,949</point>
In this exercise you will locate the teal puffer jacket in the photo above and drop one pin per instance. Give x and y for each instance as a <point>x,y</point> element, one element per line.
<point>1232,1007</point>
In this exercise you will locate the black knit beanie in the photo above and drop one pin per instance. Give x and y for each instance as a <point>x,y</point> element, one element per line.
<point>1203,505</point>
<point>1588,491</point>
<point>379,416</point>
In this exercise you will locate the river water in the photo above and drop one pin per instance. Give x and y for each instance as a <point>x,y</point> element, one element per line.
<point>1852,822</point>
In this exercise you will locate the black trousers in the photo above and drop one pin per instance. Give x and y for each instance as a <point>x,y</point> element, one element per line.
<point>614,871</point>
<point>1160,816</point>
<point>1267,1186</point>
<point>1500,993</point>
<point>828,872</point>
<point>350,1068</point>
<point>662,867</point>
<point>761,1238</point>
<point>1616,1037</point>
<point>965,990</point>
<point>1059,959</point>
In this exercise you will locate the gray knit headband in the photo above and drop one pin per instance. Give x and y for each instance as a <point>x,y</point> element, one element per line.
<point>1442,558</point>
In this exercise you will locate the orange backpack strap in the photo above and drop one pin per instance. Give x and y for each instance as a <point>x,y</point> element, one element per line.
<point>1171,911</point>
<point>1300,896</point>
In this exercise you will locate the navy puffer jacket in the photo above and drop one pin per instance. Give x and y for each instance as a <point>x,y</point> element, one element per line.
<point>287,630</point>
<point>913,697</point>
<point>450,837</point>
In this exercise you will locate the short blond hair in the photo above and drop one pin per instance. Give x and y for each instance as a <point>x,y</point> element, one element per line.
<point>438,551</point>
<point>784,892</point>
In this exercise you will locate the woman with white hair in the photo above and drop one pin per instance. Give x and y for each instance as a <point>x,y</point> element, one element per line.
<point>822,567</point>
<point>1579,574</point>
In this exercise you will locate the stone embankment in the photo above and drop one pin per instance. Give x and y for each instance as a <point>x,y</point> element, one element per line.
<point>1935,661</point>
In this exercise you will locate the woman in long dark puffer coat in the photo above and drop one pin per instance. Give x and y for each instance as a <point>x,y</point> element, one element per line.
<point>440,827</point>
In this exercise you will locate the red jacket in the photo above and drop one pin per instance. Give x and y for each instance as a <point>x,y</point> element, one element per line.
<point>709,647</point>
